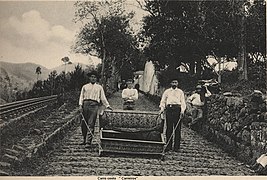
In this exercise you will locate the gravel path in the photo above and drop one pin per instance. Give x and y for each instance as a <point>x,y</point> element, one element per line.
<point>197,157</point>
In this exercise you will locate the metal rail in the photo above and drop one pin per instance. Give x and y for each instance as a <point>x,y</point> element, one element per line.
<point>18,105</point>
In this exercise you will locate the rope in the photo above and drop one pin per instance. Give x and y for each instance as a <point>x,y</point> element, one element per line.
<point>100,147</point>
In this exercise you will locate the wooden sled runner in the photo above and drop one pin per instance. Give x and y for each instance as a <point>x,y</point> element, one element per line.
<point>131,132</point>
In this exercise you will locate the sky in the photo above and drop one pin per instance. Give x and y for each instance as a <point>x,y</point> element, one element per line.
<point>41,32</point>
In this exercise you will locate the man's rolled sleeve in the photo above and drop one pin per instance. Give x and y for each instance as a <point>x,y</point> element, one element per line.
<point>162,104</point>
<point>103,98</point>
<point>183,103</point>
<point>81,97</point>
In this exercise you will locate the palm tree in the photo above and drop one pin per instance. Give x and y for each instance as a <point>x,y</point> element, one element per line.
<point>38,72</point>
<point>66,61</point>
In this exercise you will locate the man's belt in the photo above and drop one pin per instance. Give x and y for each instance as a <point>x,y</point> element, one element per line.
<point>198,106</point>
<point>173,105</point>
<point>92,101</point>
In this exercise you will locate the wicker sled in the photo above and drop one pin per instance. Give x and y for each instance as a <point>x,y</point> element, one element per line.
<point>131,132</point>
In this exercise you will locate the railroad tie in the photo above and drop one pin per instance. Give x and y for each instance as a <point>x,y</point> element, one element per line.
<point>10,158</point>
<point>12,152</point>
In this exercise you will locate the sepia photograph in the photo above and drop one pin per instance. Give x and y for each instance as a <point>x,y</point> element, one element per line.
<point>133,89</point>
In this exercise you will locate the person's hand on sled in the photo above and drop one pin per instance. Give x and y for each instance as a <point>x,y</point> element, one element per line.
<point>80,109</point>
<point>161,110</point>
<point>109,108</point>
<point>181,115</point>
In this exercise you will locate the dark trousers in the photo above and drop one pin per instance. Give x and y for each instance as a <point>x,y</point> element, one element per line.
<point>90,109</point>
<point>172,118</point>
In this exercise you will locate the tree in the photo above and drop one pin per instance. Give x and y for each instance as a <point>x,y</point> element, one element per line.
<point>38,72</point>
<point>188,31</point>
<point>52,81</point>
<point>107,35</point>
<point>37,89</point>
<point>240,25</point>
<point>175,32</point>
<point>77,78</point>
<point>66,61</point>
<point>255,28</point>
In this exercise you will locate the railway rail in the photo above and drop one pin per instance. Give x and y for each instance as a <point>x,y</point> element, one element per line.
<point>54,136</point>
<point>24,105</point>
<point>34,126</point>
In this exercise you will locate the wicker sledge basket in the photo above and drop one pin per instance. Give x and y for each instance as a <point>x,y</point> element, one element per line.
<point>132,132</point>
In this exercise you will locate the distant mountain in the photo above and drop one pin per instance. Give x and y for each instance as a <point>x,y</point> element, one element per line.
<point>22,76</point>
<point>18,77</point>
<point>25,71</point>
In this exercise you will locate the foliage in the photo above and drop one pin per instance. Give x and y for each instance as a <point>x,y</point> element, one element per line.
<point>256,28</point>
<point>230,77</point>
<point>59,83</point>
<point>188,31</point>
<point>65,60</point>
<point>77,78</point>
<point>107,35</point>
<point>256,79</point>
<point>257,74</point>
<point>38,71</point>
<point>186,81</point>
<point>173,29</point>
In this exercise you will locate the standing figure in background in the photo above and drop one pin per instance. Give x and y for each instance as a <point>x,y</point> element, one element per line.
<point>198,102</point>
<point>92,95</point>
<point>129,95</point>
<point>173,103</point>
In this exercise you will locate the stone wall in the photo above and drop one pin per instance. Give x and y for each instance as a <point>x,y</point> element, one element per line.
<point>237,124</point>
<point>258,138</point>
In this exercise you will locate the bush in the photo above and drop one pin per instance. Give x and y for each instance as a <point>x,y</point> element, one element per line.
<point>230,76</point>
<point>186,81</point>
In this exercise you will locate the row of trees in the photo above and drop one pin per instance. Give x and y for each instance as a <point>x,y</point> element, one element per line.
<point>59,83</point>
<point>174,33</point>
<point>186,32</point>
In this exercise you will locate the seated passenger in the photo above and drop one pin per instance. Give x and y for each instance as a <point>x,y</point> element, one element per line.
<point>129,95</point>
<point>198,100</point>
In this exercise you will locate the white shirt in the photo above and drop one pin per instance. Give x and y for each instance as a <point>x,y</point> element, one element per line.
<point>173,96</point>
<point>195,98</point>
<point>93,92</point>
<point>129,94</point>
<point>262,160</point>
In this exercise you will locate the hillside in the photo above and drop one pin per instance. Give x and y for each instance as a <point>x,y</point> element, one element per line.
<point>25,71</point>
<point>22,76</point>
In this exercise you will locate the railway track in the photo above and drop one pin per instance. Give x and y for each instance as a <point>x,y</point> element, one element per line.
<point>197,157</point>
<point>10,110</point>
<point>68,158</point>
<point>30,127</point>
